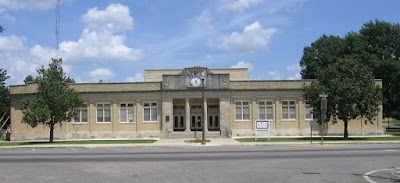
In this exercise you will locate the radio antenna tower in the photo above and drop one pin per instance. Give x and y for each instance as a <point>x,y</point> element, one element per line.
<point>57,29</point>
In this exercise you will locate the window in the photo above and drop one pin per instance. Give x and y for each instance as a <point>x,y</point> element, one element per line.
<point>126,112</point>
<point>103,113</point>
<point>309,113</point>
<point>150,111</point>
<point>289,110</point>
<point>265,110</point>
<point>81,114</point>
<point>242,110</point>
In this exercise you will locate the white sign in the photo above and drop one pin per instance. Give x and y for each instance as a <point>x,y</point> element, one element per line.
<point>262,126</point>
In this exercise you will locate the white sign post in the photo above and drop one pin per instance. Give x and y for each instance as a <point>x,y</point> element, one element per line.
<point>262,126</point>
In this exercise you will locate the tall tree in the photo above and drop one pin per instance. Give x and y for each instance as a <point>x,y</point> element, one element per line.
<point>321,53</point>
<point>29,79</point>
<point>351,89</point>
<point>4,100</point>
<point>377,45</point>
<point>55,101</point>
<point>382,46</point>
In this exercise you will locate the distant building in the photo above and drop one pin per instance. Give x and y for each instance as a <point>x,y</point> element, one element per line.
<point>168,104</point>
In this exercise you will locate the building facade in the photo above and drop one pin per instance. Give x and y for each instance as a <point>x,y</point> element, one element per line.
<point>169,104</point>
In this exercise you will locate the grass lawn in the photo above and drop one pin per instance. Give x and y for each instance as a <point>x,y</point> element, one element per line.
<point>199,141</point>
<point>391,121</point>
<point>394,132</point>
<point>79,142</point>
<point>315,139</point>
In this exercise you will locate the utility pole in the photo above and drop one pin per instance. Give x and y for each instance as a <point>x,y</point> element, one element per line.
<point>324,108</point>
<point>203,140</point>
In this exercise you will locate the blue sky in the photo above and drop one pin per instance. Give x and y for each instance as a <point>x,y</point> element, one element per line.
<point>116,40</point>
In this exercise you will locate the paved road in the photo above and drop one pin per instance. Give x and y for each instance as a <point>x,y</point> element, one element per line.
<point>311,163</point>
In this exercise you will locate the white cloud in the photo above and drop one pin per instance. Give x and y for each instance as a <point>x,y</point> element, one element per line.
<point>96,44</point>
<point>137,78</point>
<point>41,54</point>
<point>99,45</point>
<point>205,19</point>
<point>253,39</point>
<point>239,5</point>
<point>101,74</point>
<point>18,65</point>
<point>243,64</point>
<point>67,69</point>
<point>114,18</point>
<point>295,69</point>
<point>11,42</point>
<point>101,38</point>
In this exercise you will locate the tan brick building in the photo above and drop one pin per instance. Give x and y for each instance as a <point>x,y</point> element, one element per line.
<point>168,104</point>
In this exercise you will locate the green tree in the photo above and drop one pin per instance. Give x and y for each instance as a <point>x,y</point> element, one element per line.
<point>29,79</point>
<point>376,44</point>
<point>55,101</point>
<point>382,47</point>
<point>4,100</point>
<point>351,89</point>
<point>324,51</point>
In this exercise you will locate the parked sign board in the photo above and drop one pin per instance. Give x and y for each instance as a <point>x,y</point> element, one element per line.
<point>262,126</point>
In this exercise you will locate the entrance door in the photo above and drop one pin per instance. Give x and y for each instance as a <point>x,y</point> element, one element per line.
<point>213,123</point>
<point>213,118</point>
<point>179,118</point>
<point>195,120</point>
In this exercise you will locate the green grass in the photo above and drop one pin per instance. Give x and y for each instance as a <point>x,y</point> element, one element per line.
<point>394,132</point>
<point>199,140</point>
<point>307,139</point>
<point>80,142</point>
<point>391,121</point>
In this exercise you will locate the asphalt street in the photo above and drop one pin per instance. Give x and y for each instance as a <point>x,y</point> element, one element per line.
<point>291,163</point>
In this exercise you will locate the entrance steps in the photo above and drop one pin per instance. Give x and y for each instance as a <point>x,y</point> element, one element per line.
<point>191,134</point>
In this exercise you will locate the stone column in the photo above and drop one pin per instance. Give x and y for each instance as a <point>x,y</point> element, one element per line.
<point>92,115</point>
<point>224,119</point>
<point>139,115</point>
<point>167,110</point>
<point>301,116</point>
<point>278,114</point>
<point>115,116</point>
<point>253,113</point>
<point>187,114</point>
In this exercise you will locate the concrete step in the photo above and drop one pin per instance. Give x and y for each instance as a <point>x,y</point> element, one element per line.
<point>198,134</point>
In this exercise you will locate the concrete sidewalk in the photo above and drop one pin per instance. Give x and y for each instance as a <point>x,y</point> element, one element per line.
<point>186,142</point>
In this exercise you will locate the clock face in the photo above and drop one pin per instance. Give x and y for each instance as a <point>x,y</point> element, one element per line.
<point>196,82</point>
